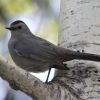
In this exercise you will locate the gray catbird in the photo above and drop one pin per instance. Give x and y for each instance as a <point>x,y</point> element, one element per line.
<point>35,54</point>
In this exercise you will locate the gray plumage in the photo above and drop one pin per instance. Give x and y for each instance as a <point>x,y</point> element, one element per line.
<point>35,54</point>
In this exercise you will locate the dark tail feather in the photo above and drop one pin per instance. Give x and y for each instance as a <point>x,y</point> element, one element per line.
<point>61,67</point>
<point>86,56</point>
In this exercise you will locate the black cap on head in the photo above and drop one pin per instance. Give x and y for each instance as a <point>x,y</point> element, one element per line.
<point>16,22</point>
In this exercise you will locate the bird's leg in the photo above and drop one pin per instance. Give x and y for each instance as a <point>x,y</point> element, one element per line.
<point>48,74</point>
<point>64,67</point>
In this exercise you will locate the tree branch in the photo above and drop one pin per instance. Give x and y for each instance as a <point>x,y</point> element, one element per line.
<point>20,79</point>
<point>58,89</point>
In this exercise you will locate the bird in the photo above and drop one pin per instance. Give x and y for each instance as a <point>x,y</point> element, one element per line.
<point>36,54</point>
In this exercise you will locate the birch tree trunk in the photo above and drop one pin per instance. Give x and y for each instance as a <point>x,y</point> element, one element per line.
<point>80,30</point>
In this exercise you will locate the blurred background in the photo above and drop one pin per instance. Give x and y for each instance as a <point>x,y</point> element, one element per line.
<point>40,15</point>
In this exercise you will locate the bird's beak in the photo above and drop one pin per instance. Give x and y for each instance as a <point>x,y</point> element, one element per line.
<point>10,28</point>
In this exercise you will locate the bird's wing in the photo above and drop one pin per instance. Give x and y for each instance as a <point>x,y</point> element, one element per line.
<point>62,54</point>
<point>36,49</point>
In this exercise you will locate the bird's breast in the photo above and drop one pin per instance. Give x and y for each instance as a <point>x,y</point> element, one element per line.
<point>30,65</point>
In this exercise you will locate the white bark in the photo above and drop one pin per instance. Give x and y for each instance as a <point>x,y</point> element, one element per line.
<point>80,25</point>
<point>80,30</point>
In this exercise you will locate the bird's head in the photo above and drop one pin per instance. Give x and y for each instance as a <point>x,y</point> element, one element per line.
<point>18,27</point>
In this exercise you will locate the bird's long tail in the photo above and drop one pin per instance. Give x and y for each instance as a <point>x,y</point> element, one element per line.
<point>86,56</point>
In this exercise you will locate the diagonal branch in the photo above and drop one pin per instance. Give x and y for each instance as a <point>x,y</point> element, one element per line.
<point>20,79</point>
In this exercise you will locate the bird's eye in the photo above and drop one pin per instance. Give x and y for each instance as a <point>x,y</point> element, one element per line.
<point>19,27</point>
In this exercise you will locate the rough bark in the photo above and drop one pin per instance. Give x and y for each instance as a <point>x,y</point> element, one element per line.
<point>20,79</point>
<point>79,30</point>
